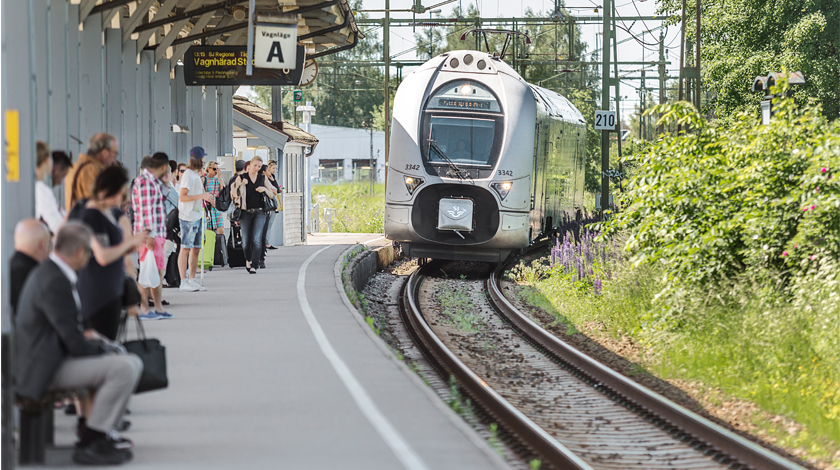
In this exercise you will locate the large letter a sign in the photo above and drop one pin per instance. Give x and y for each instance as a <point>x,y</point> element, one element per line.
<point>274,46</point>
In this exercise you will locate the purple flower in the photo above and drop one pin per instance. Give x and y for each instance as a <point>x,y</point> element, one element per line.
<point>824,169</point>
<point>784,253</point>
<point>597,285</point>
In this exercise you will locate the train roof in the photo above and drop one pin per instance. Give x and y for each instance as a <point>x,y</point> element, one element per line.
<point>556,104</point>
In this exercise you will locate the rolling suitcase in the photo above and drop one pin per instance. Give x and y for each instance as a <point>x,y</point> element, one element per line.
<point>209,245</point>
<point>236,255</point>
<point>221,256</point>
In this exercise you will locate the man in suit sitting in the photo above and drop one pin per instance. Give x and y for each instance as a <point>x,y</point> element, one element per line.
<point>53,350</point>
<point>32,246</point>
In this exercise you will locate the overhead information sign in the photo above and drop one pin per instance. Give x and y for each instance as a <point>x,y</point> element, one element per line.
<point>463,104</point>
<point>275,46</point>
<point>225,65</point>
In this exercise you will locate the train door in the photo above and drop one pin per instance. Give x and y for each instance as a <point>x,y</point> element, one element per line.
<point>538,183</point>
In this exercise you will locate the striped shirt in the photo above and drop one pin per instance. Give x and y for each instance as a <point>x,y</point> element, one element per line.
<point>147,202</point>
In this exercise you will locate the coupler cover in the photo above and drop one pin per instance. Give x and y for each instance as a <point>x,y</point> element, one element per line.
<point>455,214</point>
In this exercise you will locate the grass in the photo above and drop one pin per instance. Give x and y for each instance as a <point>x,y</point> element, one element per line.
<point>357,211</point>
<point>459,311</point>
<point>784,356</point>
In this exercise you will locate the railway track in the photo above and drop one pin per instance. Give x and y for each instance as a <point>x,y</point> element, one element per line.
<point>579,414</point>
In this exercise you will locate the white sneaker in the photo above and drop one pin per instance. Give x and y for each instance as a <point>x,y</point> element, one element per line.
<point>197,286</point>
<point>187,286</point>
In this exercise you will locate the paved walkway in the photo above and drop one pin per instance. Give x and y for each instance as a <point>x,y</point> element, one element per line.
<point>264,378</point>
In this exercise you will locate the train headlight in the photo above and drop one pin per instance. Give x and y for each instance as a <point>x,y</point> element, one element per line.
<point>502,189</point>
<point>466,89</point>
<point>412,183</point>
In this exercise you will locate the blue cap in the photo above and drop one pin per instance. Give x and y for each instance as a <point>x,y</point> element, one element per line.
<point>197,152</point>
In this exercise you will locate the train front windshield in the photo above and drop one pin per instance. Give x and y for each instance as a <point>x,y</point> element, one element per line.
<point>467,141</point>
<point>464,121</point>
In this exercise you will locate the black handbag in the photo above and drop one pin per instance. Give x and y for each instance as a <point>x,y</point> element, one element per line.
<point>269,203</point>
<point>153,355</point>
<point>223,201</point>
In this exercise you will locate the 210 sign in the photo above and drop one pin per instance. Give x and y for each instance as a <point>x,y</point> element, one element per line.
<point>605,120</point>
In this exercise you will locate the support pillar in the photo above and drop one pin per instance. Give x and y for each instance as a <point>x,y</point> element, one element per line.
<point>57,75</point>
<point>113,93</point>
<point>225,120</point>
<point>180,142</point>
<point>90,79</point>
<point>40,59</point>
<point>161,115</point>
<point>195,113</point>
<point>130,106</point>
<point>210,130</point>
<point>18,197</point>
<point>146,84</point>
<point>76,143</point>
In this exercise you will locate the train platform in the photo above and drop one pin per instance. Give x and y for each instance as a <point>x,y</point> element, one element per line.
<point>274,370</point>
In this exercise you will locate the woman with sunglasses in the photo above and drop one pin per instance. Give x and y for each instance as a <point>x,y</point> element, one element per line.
<point>213,184</point>
<point>268,171</point>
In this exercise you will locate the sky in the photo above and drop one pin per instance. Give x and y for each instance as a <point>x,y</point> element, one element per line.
<point>402,38</point>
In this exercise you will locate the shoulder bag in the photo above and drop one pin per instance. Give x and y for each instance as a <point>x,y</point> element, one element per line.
<point>153,355</point>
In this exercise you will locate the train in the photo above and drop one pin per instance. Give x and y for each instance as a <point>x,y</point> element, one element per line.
<point>482,164</point>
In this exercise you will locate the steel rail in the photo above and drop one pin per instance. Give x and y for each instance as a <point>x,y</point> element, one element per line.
<point>514,421</point>
<point>660,410</point>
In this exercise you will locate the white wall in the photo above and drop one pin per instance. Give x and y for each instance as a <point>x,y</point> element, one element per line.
<point>347,144</point>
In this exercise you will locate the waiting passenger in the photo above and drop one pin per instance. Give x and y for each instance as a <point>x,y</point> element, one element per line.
<point>46,207</point>
<point>101,154</point>
<point>252,206</point>
<point>268,171</point>
<point>102,281</point>
<point>147,203</point>
<point>52,351</point>
<point>190,214</point>
<point>213,184</point>
<point>32,246</point>
<point>61,165</point>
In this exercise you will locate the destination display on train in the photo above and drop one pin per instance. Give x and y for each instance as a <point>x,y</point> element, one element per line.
<point>225,65</point>
<point>464,104</point>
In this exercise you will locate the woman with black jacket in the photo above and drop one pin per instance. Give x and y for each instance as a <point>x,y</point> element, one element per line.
<point>252,219</point>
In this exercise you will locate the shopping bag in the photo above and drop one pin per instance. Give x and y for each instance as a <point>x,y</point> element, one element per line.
<point>153,355</point>
<point>149,275</point>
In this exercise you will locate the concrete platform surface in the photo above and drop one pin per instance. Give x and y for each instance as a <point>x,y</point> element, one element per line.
<point>367,239</point>
<point>264,378</point>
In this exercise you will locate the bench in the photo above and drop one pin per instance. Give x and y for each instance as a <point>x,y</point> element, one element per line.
<point>37,424</point>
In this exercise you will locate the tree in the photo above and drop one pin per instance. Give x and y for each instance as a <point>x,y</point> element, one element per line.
<point>742,39</point>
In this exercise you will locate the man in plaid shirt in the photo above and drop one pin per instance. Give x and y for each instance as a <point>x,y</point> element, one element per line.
<point>147,203</point>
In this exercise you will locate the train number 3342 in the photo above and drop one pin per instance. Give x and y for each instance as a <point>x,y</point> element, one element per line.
<point>412,167</point>
<point>505,172</point>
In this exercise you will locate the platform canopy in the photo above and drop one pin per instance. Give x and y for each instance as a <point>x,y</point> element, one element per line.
<point>170,27</point>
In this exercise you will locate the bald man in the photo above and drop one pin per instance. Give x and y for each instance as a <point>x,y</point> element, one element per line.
<point>32,246</point>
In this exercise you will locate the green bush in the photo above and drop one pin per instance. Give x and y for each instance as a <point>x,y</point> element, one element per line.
<point>357,211</point>
<point>713,204</point>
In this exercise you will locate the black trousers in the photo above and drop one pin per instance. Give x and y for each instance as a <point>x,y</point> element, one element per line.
<point>107,319</point>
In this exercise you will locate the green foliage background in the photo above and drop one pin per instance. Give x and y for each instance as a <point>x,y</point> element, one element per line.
<point>357,210</point>
<point>742,224</point>
<point>742,39</point>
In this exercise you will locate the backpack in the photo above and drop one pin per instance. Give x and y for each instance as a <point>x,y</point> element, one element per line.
<point>224,200</point>
<point>173,226</point>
